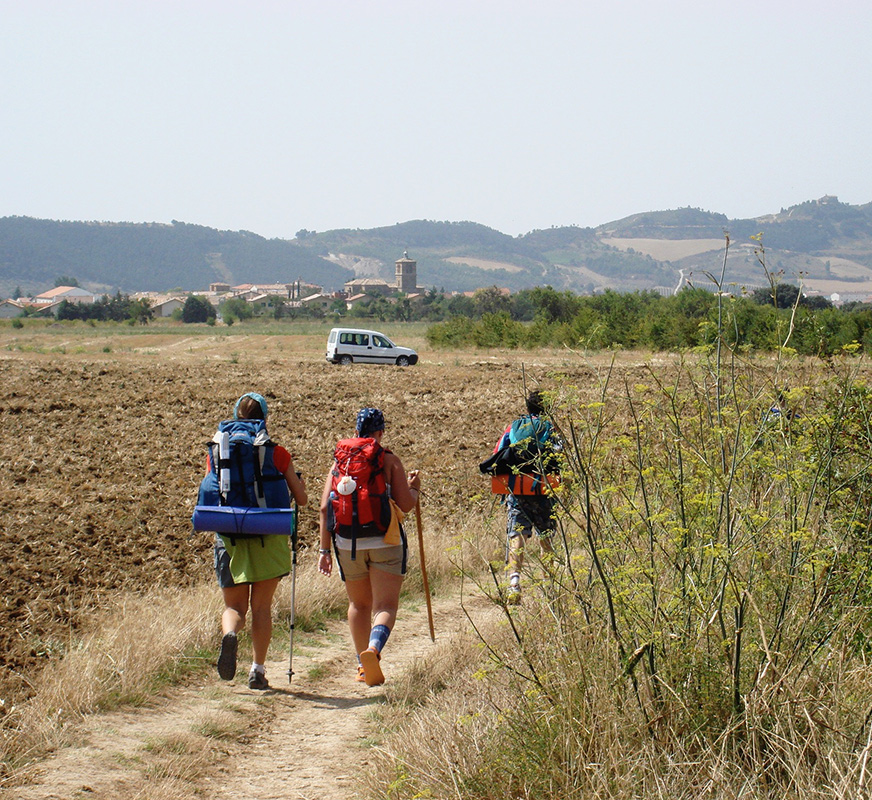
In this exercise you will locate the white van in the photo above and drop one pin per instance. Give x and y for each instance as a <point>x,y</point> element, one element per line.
<point>350,345</point>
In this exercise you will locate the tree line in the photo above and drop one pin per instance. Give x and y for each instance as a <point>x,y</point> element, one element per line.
<point>766,319</point>
<point>116,308</point>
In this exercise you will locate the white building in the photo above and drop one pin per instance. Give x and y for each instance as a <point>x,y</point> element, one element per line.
<point>72,294</point>
<point>9,308</point>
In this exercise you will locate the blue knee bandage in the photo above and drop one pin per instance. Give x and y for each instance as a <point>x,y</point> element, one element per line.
<point>378,636</point>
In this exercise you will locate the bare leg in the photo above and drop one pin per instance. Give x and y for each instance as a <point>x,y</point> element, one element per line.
<point>232,621</point>
<point>261,617</point>
<point>516,554</point>
<point>359,612</point>
<point>385,594</point>
<point>385,597</point>
<point>235,608</point>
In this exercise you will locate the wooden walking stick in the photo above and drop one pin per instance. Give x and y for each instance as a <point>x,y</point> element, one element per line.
<point>424,568</point>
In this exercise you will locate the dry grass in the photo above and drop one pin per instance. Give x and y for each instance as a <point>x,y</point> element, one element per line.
<point>133,648</point>
<point>471,726</point>
<point>143,642</point>
<point>616,680</point>
<point>471,723</point>
<point>316,597</point>
<point>667,249</point>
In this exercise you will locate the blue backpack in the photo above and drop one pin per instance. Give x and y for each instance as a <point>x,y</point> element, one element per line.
<point>531,444</point>
<point>254,479</point>
<point>530,449</point>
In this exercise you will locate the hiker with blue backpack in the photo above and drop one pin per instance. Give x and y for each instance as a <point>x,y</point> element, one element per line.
<point>246,469</point>
<point>525,466</point>
<point>366,495</point>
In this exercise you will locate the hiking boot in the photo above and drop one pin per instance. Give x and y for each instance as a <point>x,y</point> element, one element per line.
<point>227,656</point>
<point>361,675</point>
<point>257,680</point>
<point>513,596</point>
<point>372,672</point>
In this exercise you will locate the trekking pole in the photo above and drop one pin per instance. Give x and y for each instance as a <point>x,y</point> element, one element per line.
<point>424,567</point>
<point>293,592</point>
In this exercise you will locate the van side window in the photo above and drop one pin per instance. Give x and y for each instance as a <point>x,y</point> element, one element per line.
<point>380,341</point>
<point>362,339</point>
<point>346,338</point>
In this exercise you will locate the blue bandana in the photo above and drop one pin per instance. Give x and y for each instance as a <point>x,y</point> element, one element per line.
<point>370,420</point>
<point>254,396</point>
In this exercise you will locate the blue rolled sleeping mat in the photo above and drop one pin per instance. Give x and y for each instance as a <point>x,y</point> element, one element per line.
<point>244,521</point>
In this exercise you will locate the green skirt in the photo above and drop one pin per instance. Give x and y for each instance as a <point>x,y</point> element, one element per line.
<point>259,558</point>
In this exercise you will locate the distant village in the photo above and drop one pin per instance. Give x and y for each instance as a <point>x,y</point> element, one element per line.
<point>262,298</point>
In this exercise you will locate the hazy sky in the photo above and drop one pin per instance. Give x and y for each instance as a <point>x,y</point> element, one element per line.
<point>277,116</point>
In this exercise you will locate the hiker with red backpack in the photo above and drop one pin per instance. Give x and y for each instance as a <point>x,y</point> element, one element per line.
<point>366,495</point>
<point>258,474</point>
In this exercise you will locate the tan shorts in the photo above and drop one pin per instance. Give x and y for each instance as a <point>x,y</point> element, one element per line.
<point>387,559</point>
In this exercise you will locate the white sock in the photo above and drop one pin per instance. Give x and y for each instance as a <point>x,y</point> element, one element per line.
<point>257,668</point>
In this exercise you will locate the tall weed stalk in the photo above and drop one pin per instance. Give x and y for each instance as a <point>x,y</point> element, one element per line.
<point>707,629</point>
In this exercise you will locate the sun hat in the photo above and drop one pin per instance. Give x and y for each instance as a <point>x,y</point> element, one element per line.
<point>254,396</point>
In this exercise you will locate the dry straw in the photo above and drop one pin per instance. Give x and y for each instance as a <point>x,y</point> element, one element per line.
<point>706,630</point>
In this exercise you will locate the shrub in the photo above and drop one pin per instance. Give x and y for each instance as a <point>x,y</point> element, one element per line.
<point>707,627</point>
<point>198,309</point>
<point>456,332</point>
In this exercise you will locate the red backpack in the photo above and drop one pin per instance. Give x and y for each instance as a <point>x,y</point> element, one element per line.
<point>358,490</point>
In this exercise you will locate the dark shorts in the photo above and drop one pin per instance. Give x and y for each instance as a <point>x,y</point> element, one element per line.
<point>526,514</point>
<point>222,565</point>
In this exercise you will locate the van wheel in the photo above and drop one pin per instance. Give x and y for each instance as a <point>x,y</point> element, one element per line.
<point>345,359</point>
<point>403,361</point>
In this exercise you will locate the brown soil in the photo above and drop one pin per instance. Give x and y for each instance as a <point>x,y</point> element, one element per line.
<point>102,452</point>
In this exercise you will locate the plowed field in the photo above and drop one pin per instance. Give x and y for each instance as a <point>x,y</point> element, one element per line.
<point>102,450</point>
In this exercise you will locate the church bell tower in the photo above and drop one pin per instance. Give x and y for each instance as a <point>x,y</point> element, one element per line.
<point>407,274</point>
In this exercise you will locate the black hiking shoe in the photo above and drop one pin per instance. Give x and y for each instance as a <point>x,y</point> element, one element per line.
<point>257,680</point>
<point>227,657</point>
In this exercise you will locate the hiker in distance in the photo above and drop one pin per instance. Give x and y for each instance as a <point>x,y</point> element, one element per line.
<point>366,494</point>
<point>527,449</point>
<point>249,569</point>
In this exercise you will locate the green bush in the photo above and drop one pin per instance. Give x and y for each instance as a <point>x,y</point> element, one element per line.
<point>498,330</point>
<point>706,627</point>
<point>236,308</point>
<point>723,550</point>
<point>198,309</point>
<point>456,332</point>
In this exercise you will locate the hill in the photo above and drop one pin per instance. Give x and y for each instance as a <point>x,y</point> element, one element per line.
<point>825,243</point>
<point>110,256</point>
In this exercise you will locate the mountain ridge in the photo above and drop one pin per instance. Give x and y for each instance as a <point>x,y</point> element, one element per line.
<point>824,243</point>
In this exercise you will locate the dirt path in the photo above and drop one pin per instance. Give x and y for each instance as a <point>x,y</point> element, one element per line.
<point>220,740</point>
